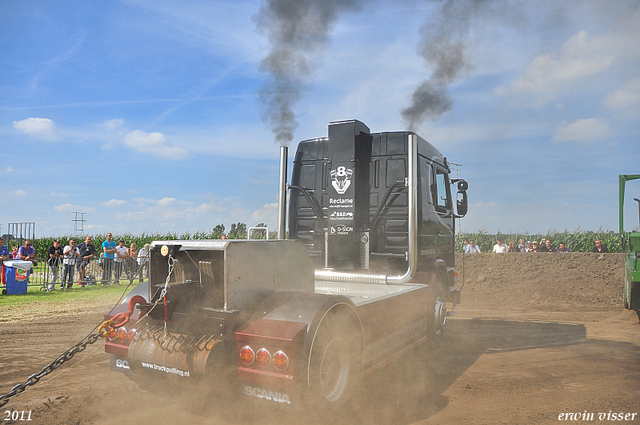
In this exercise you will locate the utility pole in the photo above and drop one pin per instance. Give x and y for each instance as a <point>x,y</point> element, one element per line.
<point>78,222</point>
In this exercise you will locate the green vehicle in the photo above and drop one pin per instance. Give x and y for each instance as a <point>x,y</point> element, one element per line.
<point>631,248</point>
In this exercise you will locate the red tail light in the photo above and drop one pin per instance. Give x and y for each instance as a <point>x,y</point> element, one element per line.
<point>280,361</point>
<point>263,357</point>
<point>122,336</point>
<point>247,356</point>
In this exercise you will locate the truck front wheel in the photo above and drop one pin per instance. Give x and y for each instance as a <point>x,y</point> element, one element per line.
<point>334,363</point>
<point>437,314</point>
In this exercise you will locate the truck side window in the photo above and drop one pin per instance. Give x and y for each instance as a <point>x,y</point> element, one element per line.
<point>442,198</point>
<point>425,185</point>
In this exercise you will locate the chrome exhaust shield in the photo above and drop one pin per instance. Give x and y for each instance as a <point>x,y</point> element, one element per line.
<point>412,253</point>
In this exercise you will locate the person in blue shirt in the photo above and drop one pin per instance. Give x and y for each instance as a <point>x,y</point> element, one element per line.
<point>4,252</point>
<point>108,249</point>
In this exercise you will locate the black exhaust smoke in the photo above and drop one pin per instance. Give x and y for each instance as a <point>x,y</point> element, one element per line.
<point>444,44</point>
<point>297,31</point>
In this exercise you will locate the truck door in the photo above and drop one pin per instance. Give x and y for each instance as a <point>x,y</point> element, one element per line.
<point>437,218</point>
<point>444,209</point>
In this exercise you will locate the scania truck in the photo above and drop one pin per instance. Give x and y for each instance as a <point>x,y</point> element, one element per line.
<point>364,273</point>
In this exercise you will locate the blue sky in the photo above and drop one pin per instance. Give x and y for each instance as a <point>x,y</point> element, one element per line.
<point>147,115</point>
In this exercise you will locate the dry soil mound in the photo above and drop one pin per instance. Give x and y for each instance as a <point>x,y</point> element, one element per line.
<point>542,281</point>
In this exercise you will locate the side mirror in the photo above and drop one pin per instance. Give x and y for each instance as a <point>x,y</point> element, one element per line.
<point>462,204</point>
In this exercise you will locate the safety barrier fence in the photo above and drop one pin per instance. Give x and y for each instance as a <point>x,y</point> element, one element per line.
<point>96,273</point>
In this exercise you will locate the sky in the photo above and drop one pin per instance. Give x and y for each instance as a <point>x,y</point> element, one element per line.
<point>158,116</point>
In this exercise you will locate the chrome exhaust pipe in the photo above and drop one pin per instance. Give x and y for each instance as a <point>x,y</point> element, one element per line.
<point>282,194</point>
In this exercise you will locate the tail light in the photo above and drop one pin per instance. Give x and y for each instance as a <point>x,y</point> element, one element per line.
<point>263,357</point>
<point>280,361</point>
<point>247,356</point>
<point>122,336</point>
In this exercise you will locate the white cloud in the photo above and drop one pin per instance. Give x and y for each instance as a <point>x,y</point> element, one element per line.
<point>10,169</point>
<point>144,200</point>
<point>112,124</point>
<point>20,193</point>
<point>41,128</point>
<point>155,144</point>
<point>62,195</point>
<point>267,214</point>
<point>114,203</point>
<point>72,208</point>
<point>549,75</point>
<point>582,131</point>
<point>209,207</point>
<point>166,202</point>
<point>626,97</point>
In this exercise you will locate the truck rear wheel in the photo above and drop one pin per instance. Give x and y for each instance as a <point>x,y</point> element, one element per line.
<point>335,359</point>
<point>437,314</point>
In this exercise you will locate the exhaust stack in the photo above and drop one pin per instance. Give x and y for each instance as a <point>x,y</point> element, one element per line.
<point>282,194</point>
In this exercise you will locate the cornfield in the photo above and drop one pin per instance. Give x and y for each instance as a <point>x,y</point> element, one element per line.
<point>41,245</point>
<point>577,241</point>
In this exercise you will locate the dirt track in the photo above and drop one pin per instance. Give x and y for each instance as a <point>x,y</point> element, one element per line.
<point>537,335</point>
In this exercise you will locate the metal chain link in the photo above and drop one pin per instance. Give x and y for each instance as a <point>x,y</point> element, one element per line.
<point>79,347</point>
<point>64,357</point>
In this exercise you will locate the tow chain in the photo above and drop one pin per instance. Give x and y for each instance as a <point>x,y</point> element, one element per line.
<point>103,329</point>
<point>64,357</point>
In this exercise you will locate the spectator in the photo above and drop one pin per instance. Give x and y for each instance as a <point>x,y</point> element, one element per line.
<point>87,252</point>
<point>27,253</point>
<point>521,246</point>
<point>512,247</point>
<point>70,254</point>
<point>600,247</point>
<point>119,259</point>
<point>547,246</point>
<point>132,252</point>
<point>528,247</point>
<point>534,247</point>
<point>465,242</point>
<point>472,248</point>
<point>4,255</point>
<point>143,262</point>
<point>499,248</point>
<point>55,255</point>
<point>4,251</point>
<point>108,253</point>
<point>563,248</point>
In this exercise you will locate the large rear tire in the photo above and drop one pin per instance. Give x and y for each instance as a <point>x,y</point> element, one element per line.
<point>335,363</point>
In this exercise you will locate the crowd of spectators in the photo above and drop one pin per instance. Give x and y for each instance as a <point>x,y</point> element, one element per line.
<point>470,247</point>
<point>115,261</point>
